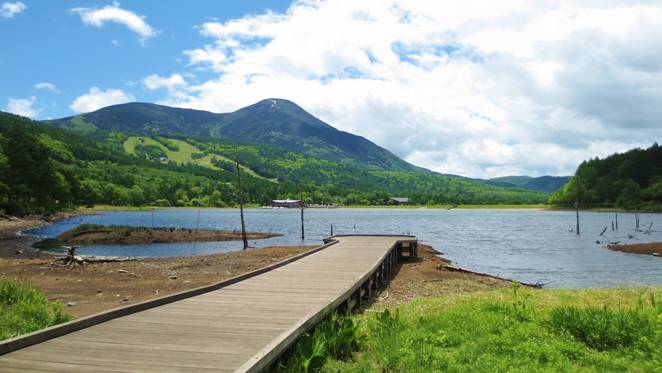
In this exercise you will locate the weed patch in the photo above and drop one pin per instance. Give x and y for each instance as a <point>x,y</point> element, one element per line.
<point>24,309</point>
<point>336,337</point>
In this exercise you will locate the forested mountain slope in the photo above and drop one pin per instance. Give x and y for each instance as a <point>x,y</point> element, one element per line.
<point>541,183</point>
<point>631,180</point>
<point>271,121</point>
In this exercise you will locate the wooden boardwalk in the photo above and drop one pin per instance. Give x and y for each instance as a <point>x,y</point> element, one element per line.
<point>240,327</point>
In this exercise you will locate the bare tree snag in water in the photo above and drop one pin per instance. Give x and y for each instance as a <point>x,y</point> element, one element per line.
<point>577,211</point>
<point>303,234</point>
<point>577,194</point>
<point>240,197</point>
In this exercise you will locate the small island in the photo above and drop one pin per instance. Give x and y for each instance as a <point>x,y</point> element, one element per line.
<point>88,234</point>
<point>652,248</point>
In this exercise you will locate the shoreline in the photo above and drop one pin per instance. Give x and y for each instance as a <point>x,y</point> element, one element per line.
<point>91,288</point>
<point>504,207</point>
<point>649,248</point>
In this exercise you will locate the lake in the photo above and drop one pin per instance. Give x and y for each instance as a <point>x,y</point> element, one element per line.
<point>525,245</point>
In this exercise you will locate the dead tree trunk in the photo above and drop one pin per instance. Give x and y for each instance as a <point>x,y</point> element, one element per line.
<point>71,259</point>
<point>240,197</point>
<point>303,232</point>
<point>577,213</point>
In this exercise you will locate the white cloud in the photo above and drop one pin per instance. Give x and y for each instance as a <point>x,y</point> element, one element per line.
<point>47,87</point>
<point>474,88</point>
<point>155,81</point>
<point>9,10</point>
<point>22,106</point>
<point>175,84</point>
<point>113,13</point>
<point>96,99</point>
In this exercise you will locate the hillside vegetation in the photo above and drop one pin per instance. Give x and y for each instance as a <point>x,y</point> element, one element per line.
<point>631,180</point>
<point>137,157</point>
<point>541,183</point>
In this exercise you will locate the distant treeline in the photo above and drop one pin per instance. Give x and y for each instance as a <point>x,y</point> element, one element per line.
<point>45,169</point>
<point>631,180</point>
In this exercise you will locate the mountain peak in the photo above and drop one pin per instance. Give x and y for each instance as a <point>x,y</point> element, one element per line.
<point>272,121</point>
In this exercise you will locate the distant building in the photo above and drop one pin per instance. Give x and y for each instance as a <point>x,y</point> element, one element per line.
<point>289,203</point>
<point>399,200</point>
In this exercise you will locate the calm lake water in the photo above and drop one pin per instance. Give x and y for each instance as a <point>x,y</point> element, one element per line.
<point>529,246</point>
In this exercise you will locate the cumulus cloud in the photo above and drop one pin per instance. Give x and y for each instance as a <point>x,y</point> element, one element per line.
<point>175,85</point>
<point>171,83</point>
<point>9,10</point>
<point>96,99</point>
<point>114,13</point>
<point>47,87</point>
<point>472,88</point>
<point>22,106</point>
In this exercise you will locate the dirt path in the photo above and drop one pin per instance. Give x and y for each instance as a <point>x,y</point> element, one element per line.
<point>653,248</point>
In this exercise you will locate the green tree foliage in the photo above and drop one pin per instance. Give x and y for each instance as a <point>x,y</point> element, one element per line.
<point>630,180</point>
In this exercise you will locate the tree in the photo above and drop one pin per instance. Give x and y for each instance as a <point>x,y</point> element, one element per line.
<point>630,194</point>
<point>31,178</point>
<point>137,196</point>
<point>4,168</point>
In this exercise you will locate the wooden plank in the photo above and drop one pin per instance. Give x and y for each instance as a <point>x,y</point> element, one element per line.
<point>242,326</point>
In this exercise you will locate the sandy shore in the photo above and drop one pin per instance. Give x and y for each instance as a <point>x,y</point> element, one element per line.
<point>653,248</point>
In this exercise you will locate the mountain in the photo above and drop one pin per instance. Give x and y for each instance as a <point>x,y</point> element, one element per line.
<point>541,184</point>
<point>46,168</point>
<point>272,121</point>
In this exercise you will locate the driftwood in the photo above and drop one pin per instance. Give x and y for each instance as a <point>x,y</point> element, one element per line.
<point>603,231</point>
<point>71,259</point>
<point>537,285</point>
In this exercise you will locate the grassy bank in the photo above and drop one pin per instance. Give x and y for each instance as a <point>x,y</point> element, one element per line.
<point>24,309</point>
<point>514,329</point>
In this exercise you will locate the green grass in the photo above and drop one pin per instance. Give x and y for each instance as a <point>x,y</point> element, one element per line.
<point>518,330</point>
<point>182,152</point>
<point>24,309</point>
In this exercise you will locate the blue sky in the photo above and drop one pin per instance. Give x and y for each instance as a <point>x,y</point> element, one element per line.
<point>476,88</point>
<point>47,42</point>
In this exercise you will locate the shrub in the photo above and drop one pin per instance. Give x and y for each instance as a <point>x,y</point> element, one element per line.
<point>603,328</point>
<point>24,309</point>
